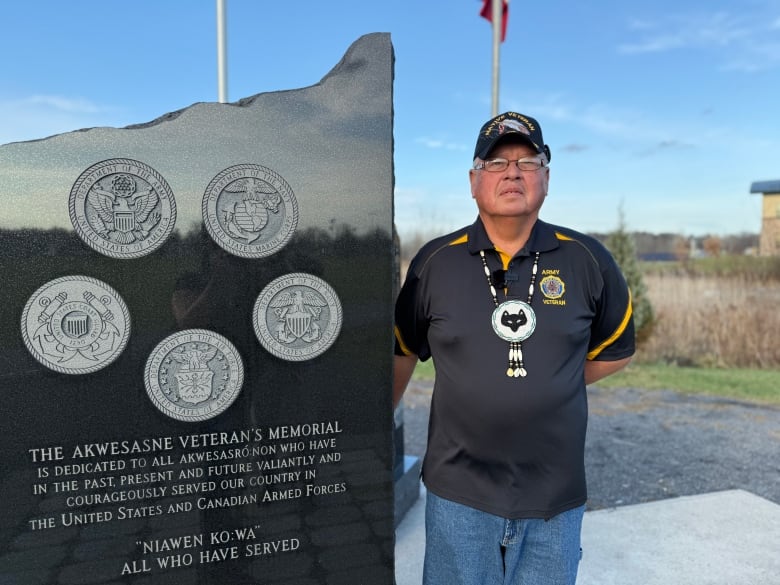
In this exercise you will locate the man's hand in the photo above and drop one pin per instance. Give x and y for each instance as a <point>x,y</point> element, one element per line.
<point>403,367</point>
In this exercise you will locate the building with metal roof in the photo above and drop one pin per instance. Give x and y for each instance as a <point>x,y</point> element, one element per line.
<point>769,243</point>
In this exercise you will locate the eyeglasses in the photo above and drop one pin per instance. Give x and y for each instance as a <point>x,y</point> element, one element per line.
<point>498,165</point>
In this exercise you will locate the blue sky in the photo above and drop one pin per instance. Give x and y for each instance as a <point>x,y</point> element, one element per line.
<point>666,108</point>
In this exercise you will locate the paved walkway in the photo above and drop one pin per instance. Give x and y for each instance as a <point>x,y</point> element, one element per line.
<point>720,538</point>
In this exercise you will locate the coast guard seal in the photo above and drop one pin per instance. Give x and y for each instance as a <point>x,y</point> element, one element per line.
<point>250,211</point>
<point>122,208</point>
<point>193,375</point>
<point>75,325</point>
<point>297,317</point>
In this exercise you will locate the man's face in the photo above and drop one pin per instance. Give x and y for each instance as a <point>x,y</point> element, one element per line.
<point>510,193</point>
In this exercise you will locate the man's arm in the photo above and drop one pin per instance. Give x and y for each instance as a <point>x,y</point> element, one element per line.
<point>403,367</point>
<point>596,370</point>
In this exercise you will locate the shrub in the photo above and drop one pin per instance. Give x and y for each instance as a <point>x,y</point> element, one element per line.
<point>623,248</point>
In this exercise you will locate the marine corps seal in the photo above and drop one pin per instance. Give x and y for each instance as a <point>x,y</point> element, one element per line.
<point>250,211</point>
<point>193,375</point>
<point>122,208</point>
<point>75,325</point>
<point>297,317</point>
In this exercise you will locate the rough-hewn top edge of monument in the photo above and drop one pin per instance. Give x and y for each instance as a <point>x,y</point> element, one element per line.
<point>355,52</point>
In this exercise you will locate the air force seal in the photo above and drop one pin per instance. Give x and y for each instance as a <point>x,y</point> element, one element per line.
<point>297,317</point>
<point>122,208</point>
<point>250,211</point>
<point>75,325</point>
<point>193,375</point>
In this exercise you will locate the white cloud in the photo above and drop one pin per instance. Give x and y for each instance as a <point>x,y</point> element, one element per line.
<point>656,44</point>
<point>690,31</point>
<point>65,104</point>
<point>39,116</point>
<point>605,120</point>
<point>438,144</point>
<point>758,57</point>
<point>742,42</point>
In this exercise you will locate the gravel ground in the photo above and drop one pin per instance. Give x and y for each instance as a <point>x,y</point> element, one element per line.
<point>647,445</point>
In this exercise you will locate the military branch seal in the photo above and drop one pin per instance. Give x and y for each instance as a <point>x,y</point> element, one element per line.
<point>250,211</point>
<point>194,375</point>
<point>75,325</point>
<point>122,208</point>
<point>297,317</point>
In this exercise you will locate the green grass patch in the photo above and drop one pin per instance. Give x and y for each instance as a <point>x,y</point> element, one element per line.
<point>424,371</point>
<point>735,383</point>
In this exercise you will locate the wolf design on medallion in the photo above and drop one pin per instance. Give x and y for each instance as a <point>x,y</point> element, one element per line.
<point>297,317</point>
<point>514,320</point>
<point>250,211</point>
<point>75,325</point>
<point>122,208</point>
<point>194,375</point>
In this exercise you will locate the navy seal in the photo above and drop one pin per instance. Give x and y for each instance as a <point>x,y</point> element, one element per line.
<point>193,375</point>
<point>250,211</point>
<point>75,325</point>
<point>122,208</point>
<point>297,317</point>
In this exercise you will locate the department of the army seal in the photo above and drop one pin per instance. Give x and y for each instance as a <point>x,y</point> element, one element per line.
<point>250,211</point>
<point>193,375</point>
<point>75,325</point>
<point>122,208</point>
<point>297,317</point>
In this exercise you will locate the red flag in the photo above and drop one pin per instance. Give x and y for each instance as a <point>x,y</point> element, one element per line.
<point>487,12</point>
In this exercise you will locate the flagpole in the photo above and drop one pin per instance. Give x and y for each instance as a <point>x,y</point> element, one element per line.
<point>221,52</point>
<point>498,6</point>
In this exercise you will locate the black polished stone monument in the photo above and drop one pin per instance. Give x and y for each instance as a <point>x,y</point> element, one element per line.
<point>196,339</point>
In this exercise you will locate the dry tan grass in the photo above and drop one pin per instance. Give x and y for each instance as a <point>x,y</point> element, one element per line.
<point>713,321</point>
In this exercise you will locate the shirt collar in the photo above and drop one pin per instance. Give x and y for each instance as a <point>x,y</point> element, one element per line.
<point>543,238</point>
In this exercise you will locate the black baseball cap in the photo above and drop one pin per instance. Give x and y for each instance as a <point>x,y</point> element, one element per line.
<point>510,124</point>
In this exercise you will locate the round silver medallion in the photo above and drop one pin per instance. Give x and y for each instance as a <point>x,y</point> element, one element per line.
<point>75,325</point>
<point>122,208</point>
<point>297,317</point>
<point>514,320</point>
<point>194,375</point>
<point>250,211</point>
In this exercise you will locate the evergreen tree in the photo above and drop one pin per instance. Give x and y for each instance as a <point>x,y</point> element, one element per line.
<point>622,246</point>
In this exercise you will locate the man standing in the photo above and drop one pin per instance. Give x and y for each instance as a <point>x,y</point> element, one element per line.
<point>518,316</point>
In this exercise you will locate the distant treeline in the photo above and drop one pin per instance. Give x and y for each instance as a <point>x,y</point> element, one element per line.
<point>659,247</point>
<point>667,246</point>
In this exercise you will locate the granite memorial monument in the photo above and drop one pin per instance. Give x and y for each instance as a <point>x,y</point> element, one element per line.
<point>196,342</point>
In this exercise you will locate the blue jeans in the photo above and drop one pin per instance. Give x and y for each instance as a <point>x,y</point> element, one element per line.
<point>464,546</point>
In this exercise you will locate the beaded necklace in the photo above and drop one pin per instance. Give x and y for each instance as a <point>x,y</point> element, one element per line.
<point>513,320</point>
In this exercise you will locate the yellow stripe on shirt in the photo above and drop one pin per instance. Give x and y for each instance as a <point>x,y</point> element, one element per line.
<point>401,343</point>
<point>618,332</point>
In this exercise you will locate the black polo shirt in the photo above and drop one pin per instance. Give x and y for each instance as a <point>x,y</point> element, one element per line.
<point>513,447</point>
